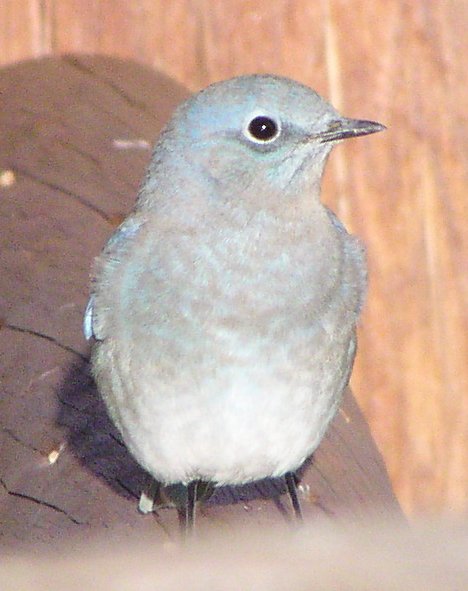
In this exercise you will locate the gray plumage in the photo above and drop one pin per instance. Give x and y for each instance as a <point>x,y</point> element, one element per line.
<point>224,308</point>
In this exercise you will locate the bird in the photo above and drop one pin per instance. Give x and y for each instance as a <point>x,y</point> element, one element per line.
<point>223,309</point>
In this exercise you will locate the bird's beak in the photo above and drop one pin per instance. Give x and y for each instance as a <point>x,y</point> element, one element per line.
<point>341,129</point>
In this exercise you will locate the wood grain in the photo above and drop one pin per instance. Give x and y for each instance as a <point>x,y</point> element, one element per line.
<point>404,192</point>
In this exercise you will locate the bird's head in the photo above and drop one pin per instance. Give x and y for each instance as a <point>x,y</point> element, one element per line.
<point>256,135</point>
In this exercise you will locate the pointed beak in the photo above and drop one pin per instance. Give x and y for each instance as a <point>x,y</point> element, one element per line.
<point>345,128</point>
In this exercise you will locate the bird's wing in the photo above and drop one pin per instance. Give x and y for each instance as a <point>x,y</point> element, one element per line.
<point>112,252</point>
<point>335,221</point>
<point>88,328</point>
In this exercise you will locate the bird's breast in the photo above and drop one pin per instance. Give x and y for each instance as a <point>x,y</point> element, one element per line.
<point>224,276</point>
<point>224,290</point>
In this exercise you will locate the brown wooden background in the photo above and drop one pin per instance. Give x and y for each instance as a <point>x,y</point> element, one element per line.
<point>404,192</point>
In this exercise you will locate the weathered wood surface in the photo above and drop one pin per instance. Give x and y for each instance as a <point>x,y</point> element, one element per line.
<point>401,62</point>
<point>63,469</point>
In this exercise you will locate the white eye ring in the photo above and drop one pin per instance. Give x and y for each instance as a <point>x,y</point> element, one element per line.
<point>262,129</point>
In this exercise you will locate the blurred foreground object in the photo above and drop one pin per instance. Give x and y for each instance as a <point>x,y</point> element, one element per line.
<point>381,556</point>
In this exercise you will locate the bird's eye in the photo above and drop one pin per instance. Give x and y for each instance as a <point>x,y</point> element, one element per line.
<point>263,129</point>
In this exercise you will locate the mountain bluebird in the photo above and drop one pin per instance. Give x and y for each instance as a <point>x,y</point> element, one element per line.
<point>224,307</point>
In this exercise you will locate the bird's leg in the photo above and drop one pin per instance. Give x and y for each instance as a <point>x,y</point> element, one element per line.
<point>190,506</point>
<point>148,496</point>
<point>291,484</point>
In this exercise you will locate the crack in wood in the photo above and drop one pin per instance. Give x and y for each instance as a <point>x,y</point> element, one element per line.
<point>68,145</point>
<point>82,200</point>
<point>42,503</point>
<point>71,405</point>
<point>71,130</point>
<point>97,163</point>
<point>47,337</point>
<point>136,104</point>
<point>15,437</point>
<point>99,107</point>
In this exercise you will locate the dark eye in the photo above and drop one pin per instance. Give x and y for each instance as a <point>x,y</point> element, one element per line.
<point>263,129</point>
